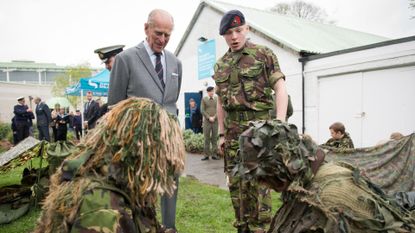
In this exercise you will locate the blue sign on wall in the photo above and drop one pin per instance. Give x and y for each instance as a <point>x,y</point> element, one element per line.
<point>206,59</point>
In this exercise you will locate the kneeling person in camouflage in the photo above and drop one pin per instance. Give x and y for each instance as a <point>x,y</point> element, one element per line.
<point>317,196</point>
<point>111,182</point>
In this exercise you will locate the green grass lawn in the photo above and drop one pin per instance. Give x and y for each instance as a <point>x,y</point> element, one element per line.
<point>201,208</point>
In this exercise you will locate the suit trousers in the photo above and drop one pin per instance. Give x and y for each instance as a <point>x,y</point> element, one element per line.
<point>44,133</point>
<point>168,207</point>
<point>210,133</point>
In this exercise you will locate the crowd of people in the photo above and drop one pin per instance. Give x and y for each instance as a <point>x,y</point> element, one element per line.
<point>53,124</point>
<point>250,87</point>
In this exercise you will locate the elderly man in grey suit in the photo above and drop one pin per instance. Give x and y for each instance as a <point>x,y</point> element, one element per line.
<point>148,70</point>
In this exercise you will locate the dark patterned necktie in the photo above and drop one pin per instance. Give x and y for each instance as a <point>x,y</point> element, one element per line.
<point>159,68</point>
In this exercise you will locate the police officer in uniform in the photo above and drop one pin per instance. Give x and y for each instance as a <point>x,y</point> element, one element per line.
<point>246,77</point>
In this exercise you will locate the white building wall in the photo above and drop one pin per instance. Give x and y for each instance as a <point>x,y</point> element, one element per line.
<point>9,92</point>
<point>372,91</point>
<point>207,25</point>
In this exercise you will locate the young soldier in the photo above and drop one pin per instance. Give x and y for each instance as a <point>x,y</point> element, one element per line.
<point>339,137</point>
<point>317,196</point>
<point>112,180</point>
<point>246,76</point>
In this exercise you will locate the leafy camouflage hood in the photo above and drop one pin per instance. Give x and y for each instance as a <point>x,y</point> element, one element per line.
<point>272,150</point>
<point>138,146</point>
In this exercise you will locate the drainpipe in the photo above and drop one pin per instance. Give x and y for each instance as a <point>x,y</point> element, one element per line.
<point>303,60</point>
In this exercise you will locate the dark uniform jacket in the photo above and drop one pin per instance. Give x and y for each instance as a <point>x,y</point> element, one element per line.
<point>21,114</point>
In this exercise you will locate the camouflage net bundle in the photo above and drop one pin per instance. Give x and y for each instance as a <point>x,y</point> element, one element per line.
<point>145,140</point>
<point>137,146</point>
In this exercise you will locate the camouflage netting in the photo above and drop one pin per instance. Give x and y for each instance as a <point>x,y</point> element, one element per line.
<point>390,165</point>
<point>317,196</point>
<point>137,147</point>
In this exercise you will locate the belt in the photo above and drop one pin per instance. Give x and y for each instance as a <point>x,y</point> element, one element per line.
<point>248,115</point>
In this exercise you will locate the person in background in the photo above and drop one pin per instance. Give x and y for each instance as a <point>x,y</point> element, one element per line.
<point>77,124</point>
<point>62,121</point>
<point>91,111</point>
<point>148,70</point>
<point>43,119</point>
<point>53,124</point>
<point>195,116</point>
<point>246,77</point>
<point>107,54</point>
<point>14,130</point>
<point>22,115</point>
<point>210,124</point>
<point>339,137</point>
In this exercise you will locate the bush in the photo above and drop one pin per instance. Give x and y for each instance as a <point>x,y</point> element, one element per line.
<point>5,130</point>
<point>194,143</point>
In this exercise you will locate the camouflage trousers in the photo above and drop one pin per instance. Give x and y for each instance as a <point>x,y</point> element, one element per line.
<point>251,201</point>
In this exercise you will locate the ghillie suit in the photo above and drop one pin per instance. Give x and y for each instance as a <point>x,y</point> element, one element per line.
<point>111,182</point>
<point>317,196</point>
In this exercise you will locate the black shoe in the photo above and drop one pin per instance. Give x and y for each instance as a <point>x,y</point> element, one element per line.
<point>205,158</point>
<point>215,158</point>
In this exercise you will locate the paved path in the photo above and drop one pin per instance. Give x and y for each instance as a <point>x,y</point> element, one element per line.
<point>209,171</point>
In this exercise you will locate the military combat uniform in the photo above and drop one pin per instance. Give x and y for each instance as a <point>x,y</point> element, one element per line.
<point>111,181</point>
<point>343,143</point>
<point>317,196</point>
<point>245,81</point>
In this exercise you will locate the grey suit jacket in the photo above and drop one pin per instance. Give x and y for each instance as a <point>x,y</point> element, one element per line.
<point>133,74</point>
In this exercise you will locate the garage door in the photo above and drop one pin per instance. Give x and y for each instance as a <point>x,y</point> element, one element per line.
<point>371,104</point>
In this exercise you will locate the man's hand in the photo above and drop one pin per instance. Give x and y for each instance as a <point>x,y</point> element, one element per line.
<point>212,119</point>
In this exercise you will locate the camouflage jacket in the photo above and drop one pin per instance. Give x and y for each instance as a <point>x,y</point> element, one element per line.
<point>245,79</point>
<point>343,143</point>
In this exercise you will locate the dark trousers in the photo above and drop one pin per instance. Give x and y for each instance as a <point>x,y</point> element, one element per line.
<point>44,133</point>
<point>55,133</point>
<point>78,132</point>
<point>168,207</point>
<point>22,131</point>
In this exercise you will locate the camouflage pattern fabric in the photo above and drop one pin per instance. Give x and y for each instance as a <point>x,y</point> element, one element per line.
<point>344,142</point>
<point>317,196</point>
<point>111,181</point>
<point>245,81</point>
<point>390,166</point>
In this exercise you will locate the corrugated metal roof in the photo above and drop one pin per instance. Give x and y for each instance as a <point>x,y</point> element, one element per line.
<point>298,34</point>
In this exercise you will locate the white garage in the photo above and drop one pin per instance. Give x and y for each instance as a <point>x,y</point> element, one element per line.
<point>370,89</point>
<point>365,81</point>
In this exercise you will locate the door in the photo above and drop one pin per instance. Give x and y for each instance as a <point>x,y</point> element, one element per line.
<point>340,101</point>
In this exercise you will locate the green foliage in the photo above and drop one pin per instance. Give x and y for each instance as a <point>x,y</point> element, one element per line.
<point>5,130</point>
<point>70,77</point>
<point>193,143</point>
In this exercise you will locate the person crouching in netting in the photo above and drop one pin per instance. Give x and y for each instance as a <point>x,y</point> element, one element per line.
<point>111,181</point>
<point>316,196</point>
